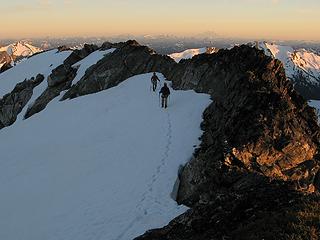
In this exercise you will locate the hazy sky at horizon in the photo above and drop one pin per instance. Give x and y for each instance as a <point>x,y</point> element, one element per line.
<point>268,19</point>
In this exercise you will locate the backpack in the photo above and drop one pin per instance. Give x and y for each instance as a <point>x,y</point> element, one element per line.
<point>165,91</point>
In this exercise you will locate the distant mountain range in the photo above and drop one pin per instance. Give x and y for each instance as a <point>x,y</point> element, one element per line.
<point>302,66</point>
<point>15,52</point>
<point>189,53</point>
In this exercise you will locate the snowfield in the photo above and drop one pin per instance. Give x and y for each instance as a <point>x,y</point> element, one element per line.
<point>42,63</point>
<point>187,54</point>
<point>190,53</point>
<point>100,166</point>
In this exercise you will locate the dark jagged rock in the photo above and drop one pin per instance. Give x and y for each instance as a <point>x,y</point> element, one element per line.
<point>5,61</point>
<point>5,67</point>
<point>129,59</point>
<point>257,123</point>
<point>61,74</point>
<point>109,45</point>
<point>48,95</point>
<point>259,153</point>
<point>63,48</point>
<point>60,79</point>
<point>12,103</point>
<point>126,61</point>
<point>80,54</point>
<point>268,211</point>
<point>307,90</point>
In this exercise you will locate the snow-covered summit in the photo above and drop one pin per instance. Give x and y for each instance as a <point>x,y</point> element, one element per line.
<point>302,66</point>
<point>20,49</point>
<point>190,53</point>
<point>15,52</point>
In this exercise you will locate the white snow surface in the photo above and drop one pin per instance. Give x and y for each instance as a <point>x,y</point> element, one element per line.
<point>187,54</point>
<point>295,60</point>
<point>101,166</point>
<point>42,63</point>
<point>190,53</point>
<point>20,48</point>
<point>87,62</point>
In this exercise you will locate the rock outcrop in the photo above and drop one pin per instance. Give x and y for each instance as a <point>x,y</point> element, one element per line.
<point>12,103</point>
<point>267,211</point>
<point>80,54</point>
<point>256,174</point>
<point>127,60</point>
<point>305,88</point>
<point>257,121</point>
<point>301,66</point>
<point>5,61</point>
<point>60,79</point>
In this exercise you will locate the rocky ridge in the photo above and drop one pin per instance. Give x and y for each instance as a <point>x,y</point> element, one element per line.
<point>256,174</point>
<point>12,103</point>
<point>128,60</point>
<point>259,150</point>
<point>302,67</point>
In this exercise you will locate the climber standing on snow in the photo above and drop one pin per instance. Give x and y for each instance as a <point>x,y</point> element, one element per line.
<point>165,92</point>
<point>154,80</point>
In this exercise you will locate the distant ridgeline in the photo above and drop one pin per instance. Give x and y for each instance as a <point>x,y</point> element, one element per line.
<point>15,52</point>
<point>302,66</point>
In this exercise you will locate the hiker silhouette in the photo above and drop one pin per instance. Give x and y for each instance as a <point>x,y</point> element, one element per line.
<point>154,81</point>
<point>165,92</point>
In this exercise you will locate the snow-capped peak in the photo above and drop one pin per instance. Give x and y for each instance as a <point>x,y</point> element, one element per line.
<point>297,63</point>
<point>189,53</point>
<point>20,49</point>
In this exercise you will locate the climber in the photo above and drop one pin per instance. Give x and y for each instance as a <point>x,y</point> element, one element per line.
<point>154,80</point>
<point>165,92</point>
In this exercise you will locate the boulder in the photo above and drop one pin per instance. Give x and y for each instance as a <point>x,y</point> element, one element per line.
<point>61,74</point>
<point>12,103</point>
<point>80,54</point>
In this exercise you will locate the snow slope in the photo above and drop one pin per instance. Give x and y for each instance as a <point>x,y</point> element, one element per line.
<point>295,61</point>
<point>42,63</point>
<point>101,166</point>
<point>190,53</point>
<point>187,54</point>
<point>20,49</point>
<point>90,60</point>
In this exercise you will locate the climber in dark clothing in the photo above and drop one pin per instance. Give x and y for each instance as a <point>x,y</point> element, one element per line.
<point>154,80</point>
<point>165,92</point>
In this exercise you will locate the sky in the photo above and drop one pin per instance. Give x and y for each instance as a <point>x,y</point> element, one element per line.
<point>252,19</point>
